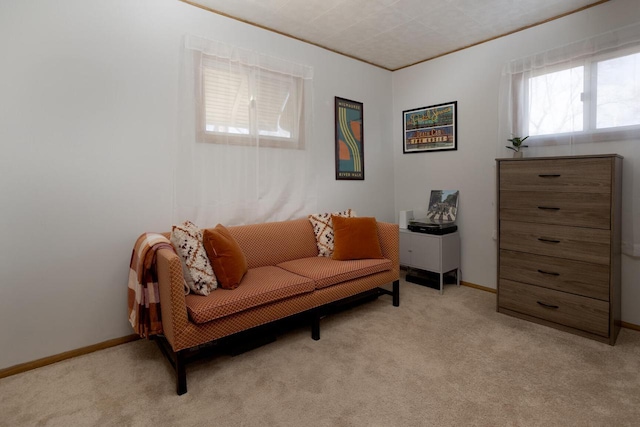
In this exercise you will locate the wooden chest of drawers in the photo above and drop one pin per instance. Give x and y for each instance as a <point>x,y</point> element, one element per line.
<point>559,242</point>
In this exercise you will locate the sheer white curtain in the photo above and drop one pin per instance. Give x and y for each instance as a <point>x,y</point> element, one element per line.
<point>580,98</point>
<point>244,150</point>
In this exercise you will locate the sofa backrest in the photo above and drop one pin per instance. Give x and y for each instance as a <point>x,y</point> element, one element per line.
<point>271,243</point>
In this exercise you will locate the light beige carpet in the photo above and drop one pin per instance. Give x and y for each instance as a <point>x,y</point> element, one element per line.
<point>447,360</point>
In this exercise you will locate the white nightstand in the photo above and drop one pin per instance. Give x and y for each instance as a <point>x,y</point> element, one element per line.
<point>438,254</point>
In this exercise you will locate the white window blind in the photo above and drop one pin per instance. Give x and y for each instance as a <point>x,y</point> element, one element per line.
<point>245,104</point>
<point>244,151</point>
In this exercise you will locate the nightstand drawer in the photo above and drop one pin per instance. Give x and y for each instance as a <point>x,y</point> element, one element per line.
<point>573,209</point>
<point>576,277</point>
<point>592,175</point>
<point>581,244</point>
<point>575,311</point>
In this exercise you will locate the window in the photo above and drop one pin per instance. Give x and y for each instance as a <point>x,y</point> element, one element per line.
<point>618,92</point>
<point>598,98</point>
<point>248,105</point>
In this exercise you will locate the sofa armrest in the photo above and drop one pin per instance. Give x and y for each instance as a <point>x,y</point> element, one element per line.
<point>389,235</point>
<point>171,288</point>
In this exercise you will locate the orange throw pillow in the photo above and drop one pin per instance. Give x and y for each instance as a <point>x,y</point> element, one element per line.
<point>355,238</point>
<point>227,259</point>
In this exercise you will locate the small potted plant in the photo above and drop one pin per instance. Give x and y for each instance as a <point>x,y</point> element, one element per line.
<point>516,145</point>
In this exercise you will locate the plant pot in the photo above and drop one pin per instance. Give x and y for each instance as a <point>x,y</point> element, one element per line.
<point>517,154</point>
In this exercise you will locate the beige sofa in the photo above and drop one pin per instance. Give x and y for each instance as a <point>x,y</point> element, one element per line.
<point>285,277</point>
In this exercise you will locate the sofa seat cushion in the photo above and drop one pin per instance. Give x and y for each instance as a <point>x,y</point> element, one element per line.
<point>261,285</point>
<point>327,272</point>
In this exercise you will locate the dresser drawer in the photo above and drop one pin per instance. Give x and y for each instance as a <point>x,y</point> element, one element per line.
<point>592,175</point>
<point>574,209</point>
<point>576,277</point>
<point>581,244</point>
<point>575,311</point>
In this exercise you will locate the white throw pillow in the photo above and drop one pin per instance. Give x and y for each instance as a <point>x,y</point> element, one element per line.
<point>323,229</point>
<point>198,273</point>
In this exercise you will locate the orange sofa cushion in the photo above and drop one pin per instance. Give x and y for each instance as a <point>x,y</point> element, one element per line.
<point>260,286</point>
<point>271,243</point>
<point>355,238</point>
<point>228,260</point>
<point>327,272</point>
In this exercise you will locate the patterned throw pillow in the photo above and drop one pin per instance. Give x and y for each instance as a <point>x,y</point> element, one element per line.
<point>187,239</point>
<point>323,229</point>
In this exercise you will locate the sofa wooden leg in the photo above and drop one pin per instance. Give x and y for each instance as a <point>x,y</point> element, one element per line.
<point>181,374</point>
<point>315,326</point>
<point>177,361</point>
<point>396,293</point>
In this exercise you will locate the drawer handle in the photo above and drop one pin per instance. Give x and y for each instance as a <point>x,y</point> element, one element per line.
<point>547,305</point>
<point>549,175</point>
<point>548,272</point>
<point>547,208</point>
<point>542,239</point>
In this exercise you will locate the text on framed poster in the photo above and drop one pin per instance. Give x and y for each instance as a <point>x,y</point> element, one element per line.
<point>349,143</point>
<point>431,128</point>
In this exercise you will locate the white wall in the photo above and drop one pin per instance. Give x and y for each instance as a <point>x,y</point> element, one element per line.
<point>472,78</point>
<point>87,118</point>
<point>88,93</point>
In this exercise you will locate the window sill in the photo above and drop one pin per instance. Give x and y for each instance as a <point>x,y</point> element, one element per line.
<point>249,141</point>
<point>605,135</point>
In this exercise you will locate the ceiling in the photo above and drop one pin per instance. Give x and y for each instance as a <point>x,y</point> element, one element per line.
<point>394,34</point>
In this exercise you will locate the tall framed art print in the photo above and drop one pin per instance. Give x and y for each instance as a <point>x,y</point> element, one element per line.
<point>349,143</point>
